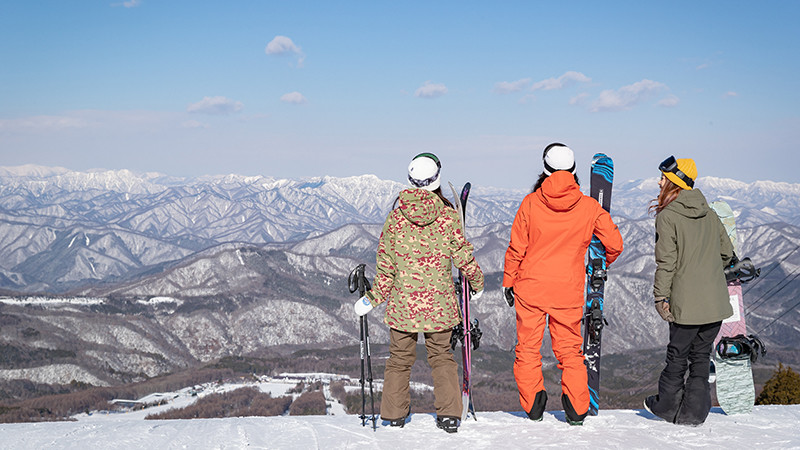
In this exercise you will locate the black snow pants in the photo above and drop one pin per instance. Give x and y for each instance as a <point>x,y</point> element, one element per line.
<point>681,399</point>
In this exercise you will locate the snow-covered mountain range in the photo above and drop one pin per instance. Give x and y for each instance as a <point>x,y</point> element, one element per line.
<point>190,270</point>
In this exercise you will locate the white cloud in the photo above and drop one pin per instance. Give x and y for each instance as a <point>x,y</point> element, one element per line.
<point>507,87</point>
<point>215,105</point>
<point>626,97</point>
<point>669,101</point>
<point>281,45</point>
<point>194,124</point>
<point>294,98</point>
<point>431,90</point>
<point>579,99</point>
<point>128,4</point>
<point>561,82</point>
<point>730,94</point>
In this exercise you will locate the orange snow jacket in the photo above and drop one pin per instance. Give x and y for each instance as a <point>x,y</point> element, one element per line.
<point>545,260</point>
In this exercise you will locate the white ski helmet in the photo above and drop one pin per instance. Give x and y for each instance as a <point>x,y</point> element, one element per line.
<point>558,157</point>
<point>423,172</point>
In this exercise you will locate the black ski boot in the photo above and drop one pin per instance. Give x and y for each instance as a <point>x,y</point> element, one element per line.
<point>448,424</point>
<point>573,418</point>
<point>648,403</point>
<point>397,422</point>
<point>537,410</point>
<point>401,422</point>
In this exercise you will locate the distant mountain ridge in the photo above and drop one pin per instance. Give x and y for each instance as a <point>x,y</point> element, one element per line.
<point>189,270</point>
<point>60,229</point>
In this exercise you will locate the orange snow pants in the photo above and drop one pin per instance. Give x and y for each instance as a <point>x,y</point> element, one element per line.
<point>565,333</point>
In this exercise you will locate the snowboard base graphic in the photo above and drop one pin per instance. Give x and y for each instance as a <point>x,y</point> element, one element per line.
<point>734,376</point>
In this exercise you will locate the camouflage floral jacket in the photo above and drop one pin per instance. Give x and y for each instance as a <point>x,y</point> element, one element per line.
<point>420,242</point>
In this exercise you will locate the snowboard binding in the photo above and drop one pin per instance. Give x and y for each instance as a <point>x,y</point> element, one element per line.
<point>741,270</point>
<point>741,347</point>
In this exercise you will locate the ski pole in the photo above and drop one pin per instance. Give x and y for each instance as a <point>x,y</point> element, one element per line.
<point>357,282</point>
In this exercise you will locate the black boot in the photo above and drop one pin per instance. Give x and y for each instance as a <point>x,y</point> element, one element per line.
<point>401,422</point>
<point>537,410</point>
<point>573,418</point>
<point>448,424</point>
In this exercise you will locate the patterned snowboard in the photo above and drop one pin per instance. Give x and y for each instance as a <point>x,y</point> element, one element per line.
<point>734,377</point>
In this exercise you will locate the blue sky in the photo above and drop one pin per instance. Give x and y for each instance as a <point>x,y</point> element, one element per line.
<point>301,89</point>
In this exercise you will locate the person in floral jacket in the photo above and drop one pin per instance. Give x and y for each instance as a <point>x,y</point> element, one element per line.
<point>421,241</point>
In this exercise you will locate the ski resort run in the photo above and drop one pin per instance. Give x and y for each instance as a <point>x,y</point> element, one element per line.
<point>767,427</point>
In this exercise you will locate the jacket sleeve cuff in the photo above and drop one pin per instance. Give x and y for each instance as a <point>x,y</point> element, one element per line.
<point>372,298</point>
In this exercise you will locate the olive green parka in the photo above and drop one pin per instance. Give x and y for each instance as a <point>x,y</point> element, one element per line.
<point>692,249</point>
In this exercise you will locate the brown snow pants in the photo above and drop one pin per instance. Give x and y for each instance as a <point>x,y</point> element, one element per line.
<point>396,400</point>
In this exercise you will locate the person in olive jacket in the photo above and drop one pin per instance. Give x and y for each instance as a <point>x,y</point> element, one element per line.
<point>421,241</point>
<point>690,291</point>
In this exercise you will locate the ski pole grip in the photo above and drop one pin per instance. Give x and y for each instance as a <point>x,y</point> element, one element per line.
<point>357,281</point>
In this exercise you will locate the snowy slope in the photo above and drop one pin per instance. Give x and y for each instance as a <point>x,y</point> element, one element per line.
<point>768,427</point>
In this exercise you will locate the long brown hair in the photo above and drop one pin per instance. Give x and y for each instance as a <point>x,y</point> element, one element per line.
<point>437,191</point>
<point>666,195</point>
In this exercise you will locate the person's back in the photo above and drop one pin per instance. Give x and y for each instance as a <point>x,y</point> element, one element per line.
<point>690,291</point>
<point>544,279</point>
<point>420,242</point>
<point>697,260</point>
<point>558,224</point>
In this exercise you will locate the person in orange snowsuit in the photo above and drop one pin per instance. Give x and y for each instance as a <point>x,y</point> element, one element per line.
<point>545,273</point>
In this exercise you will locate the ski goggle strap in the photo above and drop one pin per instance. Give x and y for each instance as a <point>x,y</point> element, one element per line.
<point>426,181</point>
<point>671,165</point>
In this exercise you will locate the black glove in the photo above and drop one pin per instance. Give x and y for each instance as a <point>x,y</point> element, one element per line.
<point>508,295</point>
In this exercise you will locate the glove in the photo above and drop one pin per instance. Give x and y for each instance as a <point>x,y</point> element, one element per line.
<point>662,307</point>
<point>362,306</point>
<point>508,295</point>
<point>476,295</point>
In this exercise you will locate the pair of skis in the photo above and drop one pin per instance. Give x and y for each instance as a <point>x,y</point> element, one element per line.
<point>467,332</point>
<point>601,181</point>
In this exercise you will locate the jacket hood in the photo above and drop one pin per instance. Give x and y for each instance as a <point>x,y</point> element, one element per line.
<point>421,207</point>
<point>559,191</point>
<point>690,203</point>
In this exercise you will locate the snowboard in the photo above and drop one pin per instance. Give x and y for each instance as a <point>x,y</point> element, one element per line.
<point>733,375</point>
<point>467,333</point>
<point>602,178</point>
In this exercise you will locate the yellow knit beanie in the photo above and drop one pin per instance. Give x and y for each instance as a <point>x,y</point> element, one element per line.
<point>688,167</point>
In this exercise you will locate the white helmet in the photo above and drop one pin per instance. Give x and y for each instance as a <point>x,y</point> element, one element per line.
<point>558,157</point>
<point>423,172</point>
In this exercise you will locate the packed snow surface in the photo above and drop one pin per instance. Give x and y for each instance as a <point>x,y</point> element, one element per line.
<point>767,427</point>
